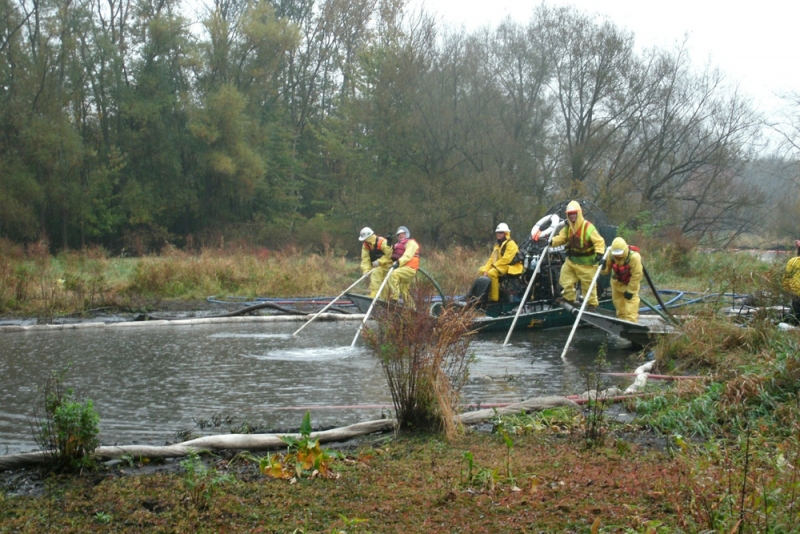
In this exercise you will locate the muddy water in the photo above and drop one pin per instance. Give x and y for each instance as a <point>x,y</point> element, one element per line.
<point>148,383</point>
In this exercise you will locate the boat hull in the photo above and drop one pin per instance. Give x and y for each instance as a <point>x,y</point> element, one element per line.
<point>641,333</point>
<point>536,319</point>
<point>538,316</point>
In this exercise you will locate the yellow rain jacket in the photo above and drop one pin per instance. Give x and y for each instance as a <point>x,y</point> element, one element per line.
<point>501,263</point>
<point>583,242</point>
<point>375,243</point>
<point>626,276</point>
<point>791,278</point>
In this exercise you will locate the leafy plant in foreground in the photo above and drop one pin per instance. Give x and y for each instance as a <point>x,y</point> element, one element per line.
<point>509,449</point>
<point>199,481</point>
<point>304,459</point>
<point>595,424</point>
<point>560,419</point>
<point>471,474</point>
<point>64,427</point>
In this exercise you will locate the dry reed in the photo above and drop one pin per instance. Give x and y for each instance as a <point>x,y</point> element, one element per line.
<point>425,361</point>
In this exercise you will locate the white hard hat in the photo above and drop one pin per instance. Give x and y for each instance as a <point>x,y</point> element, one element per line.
<point>502,227</point>
<point>404,230</point>
<point>366,233</point>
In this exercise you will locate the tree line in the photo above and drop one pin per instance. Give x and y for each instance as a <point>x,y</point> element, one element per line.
<point>136,123</point>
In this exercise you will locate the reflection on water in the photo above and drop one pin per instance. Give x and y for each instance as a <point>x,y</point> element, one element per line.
<point>148,383</point>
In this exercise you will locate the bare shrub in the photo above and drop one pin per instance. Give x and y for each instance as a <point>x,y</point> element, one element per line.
<point>676,253</point>
<point>425,360</point>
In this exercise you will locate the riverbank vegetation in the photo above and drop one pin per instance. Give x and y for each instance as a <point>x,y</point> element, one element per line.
<point>146,160</point>
<point>35,283</point>
<point>718,452</point>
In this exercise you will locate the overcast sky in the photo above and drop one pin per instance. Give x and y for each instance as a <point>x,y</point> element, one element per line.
<point>755,43</point>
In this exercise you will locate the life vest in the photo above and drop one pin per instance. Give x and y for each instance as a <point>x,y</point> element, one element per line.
<point>579,244</point>
<point>623,272</point>
<point>519,257</point>
<point>375,253</point>
<point>399,249</point>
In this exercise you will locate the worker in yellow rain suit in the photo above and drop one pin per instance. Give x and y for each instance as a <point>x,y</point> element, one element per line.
<point>791,281</point>
<point>503,261</point>
<point>585,249</point>
<point>376,254</point>
<point>405,255</point>
<point>625,267</point>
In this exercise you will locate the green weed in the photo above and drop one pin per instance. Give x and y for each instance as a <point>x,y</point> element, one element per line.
<point>304,458</point>
<point>595,427</point>
<point>509,443</point>
<point>200,482</point>
<point>473,475</point>
<point>103,518</point>
<point>65,427</point>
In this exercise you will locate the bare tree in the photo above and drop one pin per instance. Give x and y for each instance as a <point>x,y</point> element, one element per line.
<point>592,63</point>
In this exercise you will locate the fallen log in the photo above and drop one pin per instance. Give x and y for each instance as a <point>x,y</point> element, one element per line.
<point>252,442</point>
<point>260,442</point>
<point>530,405</point>
<point>660,377</point>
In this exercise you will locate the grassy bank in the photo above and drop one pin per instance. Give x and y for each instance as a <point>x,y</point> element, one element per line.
<point>718,453</point>
<point>34,283</point>
<point>412,484</point>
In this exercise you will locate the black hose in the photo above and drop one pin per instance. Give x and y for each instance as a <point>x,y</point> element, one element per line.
<point>243,311</point>
<point>658,297</point>
<point>435,284</point>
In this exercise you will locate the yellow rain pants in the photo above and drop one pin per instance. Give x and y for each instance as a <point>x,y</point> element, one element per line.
<point>626,309</point>
<point>571,274</point>
<point>379,273</point>
<point>494,286</point>
<point>376,279</point>
<point>399,282</point>
<point>500,264</point>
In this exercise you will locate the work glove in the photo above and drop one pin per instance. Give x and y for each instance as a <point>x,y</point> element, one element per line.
<point>628,295</point>
<point>598,258</point>
<point>395,265</point>
<point>376,263</point>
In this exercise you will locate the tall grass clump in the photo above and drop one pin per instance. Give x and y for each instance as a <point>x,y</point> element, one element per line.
<point>251,272</point>
<point>745,485</point>
<point>425,361</point>
<point>12,281</point>
<point>64,426</point>
<point>455,268</point>
<point>754,380</point>
<point>84,277</point>
<point>34,282</point>
<point>710,344</point>
<point>679,264</point>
